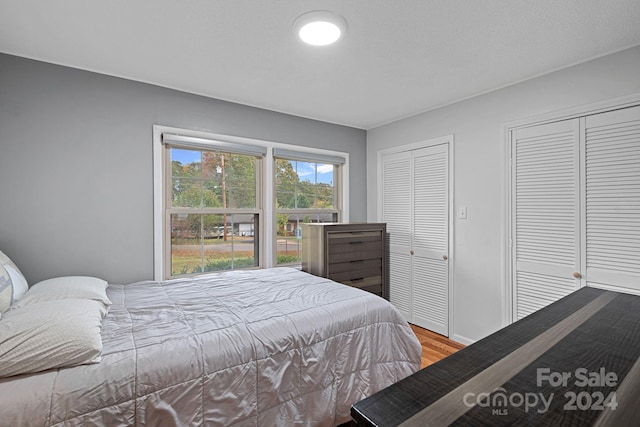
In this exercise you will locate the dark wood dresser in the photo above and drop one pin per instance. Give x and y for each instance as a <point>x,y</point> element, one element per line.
<point>351,253</point>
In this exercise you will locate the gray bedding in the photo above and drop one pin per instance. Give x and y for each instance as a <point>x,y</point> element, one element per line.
<point>257,348</point>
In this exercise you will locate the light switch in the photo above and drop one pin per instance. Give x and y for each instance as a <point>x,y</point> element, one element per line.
<point>462,212</point>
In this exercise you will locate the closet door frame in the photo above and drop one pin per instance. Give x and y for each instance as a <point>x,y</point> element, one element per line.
<point>508,128</point>
<point>449,140</point>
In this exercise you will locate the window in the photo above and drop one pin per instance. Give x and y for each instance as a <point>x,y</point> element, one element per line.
<point>226,203</point>
<point>212,212</point>
<point>305,191</point>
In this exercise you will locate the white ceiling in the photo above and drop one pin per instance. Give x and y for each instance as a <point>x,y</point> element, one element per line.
<point>398,57</point>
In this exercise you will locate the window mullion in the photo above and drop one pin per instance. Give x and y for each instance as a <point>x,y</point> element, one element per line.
<point>268,182</point>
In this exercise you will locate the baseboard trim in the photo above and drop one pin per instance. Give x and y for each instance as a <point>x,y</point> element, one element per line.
<point>461,339</point>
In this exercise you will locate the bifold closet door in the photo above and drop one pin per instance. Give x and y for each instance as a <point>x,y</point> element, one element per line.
<point>415,207</point>
<point>545,214</point>
<point>612,199</point>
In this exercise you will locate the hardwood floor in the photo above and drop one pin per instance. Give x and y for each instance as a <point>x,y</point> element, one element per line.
<point>435,347</point>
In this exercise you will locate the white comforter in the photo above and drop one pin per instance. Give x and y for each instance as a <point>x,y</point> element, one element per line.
<point>272,347</point>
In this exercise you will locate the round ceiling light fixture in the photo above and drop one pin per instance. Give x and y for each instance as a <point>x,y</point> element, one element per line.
<point>319,28</point>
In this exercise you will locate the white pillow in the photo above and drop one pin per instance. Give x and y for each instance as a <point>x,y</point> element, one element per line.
<point>51,334</point>
<point>68,287</point>
<point>13,285</point>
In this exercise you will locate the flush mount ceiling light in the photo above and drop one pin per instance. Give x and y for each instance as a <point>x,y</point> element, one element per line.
<point>319,28</point>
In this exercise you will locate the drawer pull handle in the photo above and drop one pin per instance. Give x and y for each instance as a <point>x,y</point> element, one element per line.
<point>356,243</point>
<point>357,280</point>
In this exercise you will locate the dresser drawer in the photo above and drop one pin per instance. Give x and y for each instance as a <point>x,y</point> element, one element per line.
<point>354,269</point>
<point>343,250</point>
<point>342,237</point>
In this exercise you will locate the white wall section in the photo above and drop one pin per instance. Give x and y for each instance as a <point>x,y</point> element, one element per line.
<point>479,252</point>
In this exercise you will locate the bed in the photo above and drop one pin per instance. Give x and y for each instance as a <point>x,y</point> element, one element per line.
<point>575,362</point>
<point>257,348</point>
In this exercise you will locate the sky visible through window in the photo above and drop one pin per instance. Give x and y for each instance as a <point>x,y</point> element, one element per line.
<point>305,171</point>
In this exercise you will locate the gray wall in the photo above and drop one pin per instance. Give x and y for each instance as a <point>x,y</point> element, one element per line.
<point>76,164</point>
<point>479,254</point>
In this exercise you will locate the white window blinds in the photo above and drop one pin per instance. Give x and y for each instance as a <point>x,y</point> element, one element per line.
<point>212,144</point>
<point>308,157</point>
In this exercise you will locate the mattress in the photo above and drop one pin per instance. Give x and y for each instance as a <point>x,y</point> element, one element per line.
<point>256,348</point>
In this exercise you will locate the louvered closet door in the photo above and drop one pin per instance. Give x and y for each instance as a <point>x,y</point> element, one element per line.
<point>397,213</point>
<point>612,199</point>
<point>546,214</point>
<point>431,238</point>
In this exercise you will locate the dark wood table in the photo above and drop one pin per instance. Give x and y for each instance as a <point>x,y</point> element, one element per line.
<point>573,363</point>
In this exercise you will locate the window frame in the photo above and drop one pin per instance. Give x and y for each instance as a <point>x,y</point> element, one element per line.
<point>170,209</point>
<point>267,253</point>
